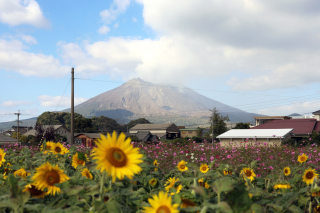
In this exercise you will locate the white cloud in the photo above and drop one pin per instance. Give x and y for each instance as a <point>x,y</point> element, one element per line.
<point>11,103</point>
<point>14,58</point>
<point>49,101</point>
<point>29,39</point>
<point>305,108</point>
<point>103,30</point>
<point>116,25</point>
<point>117,7</point>
<point>134,19</point>
<point>17,12</point>
<point>273,44</point>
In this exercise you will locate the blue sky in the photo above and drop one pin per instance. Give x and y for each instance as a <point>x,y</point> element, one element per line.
<point>261,57</point>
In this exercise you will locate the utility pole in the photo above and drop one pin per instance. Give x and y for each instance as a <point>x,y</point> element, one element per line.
<point>18,125</point>
<point>212,129</point>
<point>72,105</point>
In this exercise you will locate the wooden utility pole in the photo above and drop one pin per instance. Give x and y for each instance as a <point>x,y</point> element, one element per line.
<point>72,105</point>
<point>18,125</point>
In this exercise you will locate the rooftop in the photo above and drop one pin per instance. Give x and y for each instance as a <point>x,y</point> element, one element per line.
<point>151,126</point>
<point>271,117</point>
<point>300,126</point>
<point>255,133</point>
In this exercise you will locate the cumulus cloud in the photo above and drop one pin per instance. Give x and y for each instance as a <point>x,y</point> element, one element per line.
<point>11,103</point>
<point>271,44</point>
<point>103,30</point>
<point>117,7</point>
<point>29,39</point>
<point>17,12</point>
<point>14,58</point>
<point>49,101</point>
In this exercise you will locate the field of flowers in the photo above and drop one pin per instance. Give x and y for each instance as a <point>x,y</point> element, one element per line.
<point>123,176</point>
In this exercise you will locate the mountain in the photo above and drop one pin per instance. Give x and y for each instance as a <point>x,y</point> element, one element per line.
<point>295,114</point>
<point>26,122</point>
<point>158,103</point>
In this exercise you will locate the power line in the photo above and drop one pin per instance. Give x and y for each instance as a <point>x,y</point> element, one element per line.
<point>63,94</point>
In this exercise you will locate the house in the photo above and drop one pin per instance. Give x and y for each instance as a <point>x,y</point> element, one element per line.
<point>235,137</point>
<point>302,127</point>
<point>86,139</point>
<point>58,129</point>
<point>188,133</point>
<point>162,131</point>
<point>264,119</point>
<point>22,130</point>
<point>144,136</point>
<point>6,139</point>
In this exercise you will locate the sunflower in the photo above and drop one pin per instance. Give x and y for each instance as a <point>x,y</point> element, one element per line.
<point>155,169</point>
<point>2,155</point>
<point>161,203</point>
<point>49,144</point>
<point>282,186</point>
<point>187,203</point>
<point>58,148</point>
<point>170,183</point>
<point>286,171</point>
<point>200,181</point>
<point>155,163</point>
<point>317,209</point>
<point>86,173</point>
<point>309,176</point>
<point>153,182</point>
<point>178,188</point>
<point>7,169</point>
<point>204,168</point>
<point>117,156</point>
<point>250,195</point>
<point>34,192</point>
<point>47,176</point>
<point>206,185</point>
<point>182,166</point>
<point>302,158</point>
<point>77,162</point>
<point>22,173</point>
<point>247,172</point>
<point>227,172</point>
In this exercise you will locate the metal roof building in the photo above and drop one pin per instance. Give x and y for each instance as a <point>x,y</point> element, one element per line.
<point>254,136</point>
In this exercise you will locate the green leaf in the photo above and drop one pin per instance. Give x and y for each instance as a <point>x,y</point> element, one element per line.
<point>34,207</point>
<point>256,208</point>
<point>82,156</point>
<point>223,185</point>
<point>222,206</point>
<point>113,207</point>
<point>253,164</point>
<point>303,200</point>
<point>8,203</point>
<point>211,164</point>
<point>295,209</point>
<point>177,199</point>
<point>276,207</point>
<point>120,184</point>
<point>15,167</point>
<point>192,209</point>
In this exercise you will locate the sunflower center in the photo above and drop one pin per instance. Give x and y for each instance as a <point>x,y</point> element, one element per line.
<point>163,209</point>
<point>80,162</point>
<point>57,149</point>
<point>48,147</point>
<point>0,157</point>
<point>204,168</point>
<point>153,182</point>
<point>303,159</point>
<point>248,173</point>
<point>53,178</point>
<point>117,157</point>
<point>286,171</point>
<point>88,175</point>
<point>309,175</point>
<point>34,191</point>
<point>182,166</point>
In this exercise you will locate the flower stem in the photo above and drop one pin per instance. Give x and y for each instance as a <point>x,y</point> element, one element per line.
<point>101,185</point>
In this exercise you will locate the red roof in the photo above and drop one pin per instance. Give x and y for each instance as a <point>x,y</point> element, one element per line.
<point>300,126</point>
<point>317,127</point>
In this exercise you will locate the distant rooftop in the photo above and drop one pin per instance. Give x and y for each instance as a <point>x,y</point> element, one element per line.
<point>256,133</point>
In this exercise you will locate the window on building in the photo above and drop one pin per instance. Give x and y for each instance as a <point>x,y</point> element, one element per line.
<point>183,132</point>
<point>169,135</point>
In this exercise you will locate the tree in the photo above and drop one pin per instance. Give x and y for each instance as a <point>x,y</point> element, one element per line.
<point>199,132</point>
<point>39,132</point>
<point>105,124</point>
<point>242,126</point>
<point>57,118</point>
<point>23,138</point>
<point>14,135</point>
<point>84,125</point>
<point>219,122</point>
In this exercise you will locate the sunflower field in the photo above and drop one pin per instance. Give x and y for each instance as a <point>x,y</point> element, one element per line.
<point>123,176</point>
